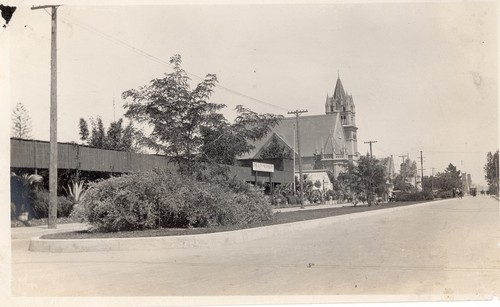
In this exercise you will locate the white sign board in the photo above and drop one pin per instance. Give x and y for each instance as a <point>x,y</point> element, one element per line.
<point>263,167</point>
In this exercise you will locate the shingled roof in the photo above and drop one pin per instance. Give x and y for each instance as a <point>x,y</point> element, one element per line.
<point>316,132</point>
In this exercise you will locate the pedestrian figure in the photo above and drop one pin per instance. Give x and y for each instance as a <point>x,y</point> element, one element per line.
<point>460,193</point>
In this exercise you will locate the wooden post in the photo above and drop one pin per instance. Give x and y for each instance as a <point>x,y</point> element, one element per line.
<point>53,125</point>
<point>271,183</point>
<point>297,112</point>
<point>53,119</point>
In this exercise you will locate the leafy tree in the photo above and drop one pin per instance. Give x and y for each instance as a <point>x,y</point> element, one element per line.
<point>186,126</point>
<point>98,138</point>
<point>84,130</point>
<point>276,150</point>
<point>223,142</point>
<point>346,181</point>
<point>491,172</point>
<point>450,179</point>
<point>307,186</point>
<point>175,112</point>
<point>369,177</point>
<point>21,122</point>
<point>410,168</point>
<point>428,183</point>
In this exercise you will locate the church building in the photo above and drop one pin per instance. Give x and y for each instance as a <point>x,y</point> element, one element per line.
<point>327,141</point>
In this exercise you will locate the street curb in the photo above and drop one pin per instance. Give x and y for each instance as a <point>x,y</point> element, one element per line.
<point>41,230</point>
<point>199,240</point>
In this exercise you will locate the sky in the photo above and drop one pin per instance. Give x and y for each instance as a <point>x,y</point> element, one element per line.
<point>424,76</point>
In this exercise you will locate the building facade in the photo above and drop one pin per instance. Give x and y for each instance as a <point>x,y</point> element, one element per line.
<point>327,141</point>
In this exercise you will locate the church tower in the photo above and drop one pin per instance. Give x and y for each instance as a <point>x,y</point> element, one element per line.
<point>341,102</point>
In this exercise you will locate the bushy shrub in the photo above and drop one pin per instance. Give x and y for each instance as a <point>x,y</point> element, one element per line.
<point>428,195</point>
<point>167,199</point>
<point>39,202</point>
<point>280,200</point>
<point>424,195</point>
<point>444,194</point>
<point>293,200</point>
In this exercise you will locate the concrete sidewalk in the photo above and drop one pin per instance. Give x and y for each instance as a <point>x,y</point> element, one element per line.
<point>316,206</point>
<point>35,231</point>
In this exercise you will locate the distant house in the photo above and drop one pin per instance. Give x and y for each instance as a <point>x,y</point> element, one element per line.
<point>320,175</point>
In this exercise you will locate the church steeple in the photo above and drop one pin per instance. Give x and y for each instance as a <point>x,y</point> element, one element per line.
<point>342,104</point>
<point>339,93</point>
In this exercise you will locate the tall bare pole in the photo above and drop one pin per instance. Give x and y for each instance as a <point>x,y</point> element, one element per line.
<point>403,172</point>
<point>297,113</point>
<point>294,187</point>
<point>422,170</point>
<point>432,179</point>
<point>53,118</point>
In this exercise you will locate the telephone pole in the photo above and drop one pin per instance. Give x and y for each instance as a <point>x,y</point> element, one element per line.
<point>297,113</point>
<point>403,172</point>
<point>432,179</point>
<point>371,142</point>
<point>422,170</point>
<point>53,118</point>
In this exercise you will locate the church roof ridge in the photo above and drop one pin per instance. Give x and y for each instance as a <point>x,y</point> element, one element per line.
<point>309,116</point>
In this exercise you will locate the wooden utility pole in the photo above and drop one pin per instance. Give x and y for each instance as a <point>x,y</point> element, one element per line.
<point>297,113</point>
<point>403,172</point>
<point>432,179</point>
<point>53,118</point>
<point>294,186</point>
<point>371,142</point>
<point>422,170</point>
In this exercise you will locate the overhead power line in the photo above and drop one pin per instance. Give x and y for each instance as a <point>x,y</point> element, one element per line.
<point>161,61</point>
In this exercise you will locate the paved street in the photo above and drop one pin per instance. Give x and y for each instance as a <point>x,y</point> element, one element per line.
<point>449,249</point>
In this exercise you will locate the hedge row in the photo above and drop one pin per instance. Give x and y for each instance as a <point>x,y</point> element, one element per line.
<point>167,199</point>
<point>424,195</point>
<point>444,194</point>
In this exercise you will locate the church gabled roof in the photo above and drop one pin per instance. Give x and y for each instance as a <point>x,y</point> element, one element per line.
<point>314,130</point>
<point>264,143</point>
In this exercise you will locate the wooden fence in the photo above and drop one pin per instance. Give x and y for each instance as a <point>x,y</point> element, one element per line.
<point>35,154</point>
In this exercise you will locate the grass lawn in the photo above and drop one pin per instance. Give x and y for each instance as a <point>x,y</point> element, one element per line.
<point>279,218</point>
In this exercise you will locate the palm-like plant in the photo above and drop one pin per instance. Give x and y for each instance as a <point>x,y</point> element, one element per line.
<point>31,179</point>
<point>76,191</point>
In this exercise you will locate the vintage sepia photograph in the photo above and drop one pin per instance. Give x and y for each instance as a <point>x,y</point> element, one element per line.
<point>253,152</point>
